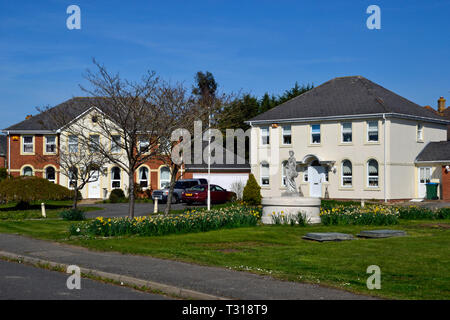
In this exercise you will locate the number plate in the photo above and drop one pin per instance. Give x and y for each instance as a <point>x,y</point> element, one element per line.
<point>188,194</point>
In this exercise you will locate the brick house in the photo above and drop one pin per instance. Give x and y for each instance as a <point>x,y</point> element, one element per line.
<point>31,148</point>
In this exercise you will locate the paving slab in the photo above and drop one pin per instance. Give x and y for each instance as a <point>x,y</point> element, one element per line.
<point>328,236</point>
<point>387,233</point>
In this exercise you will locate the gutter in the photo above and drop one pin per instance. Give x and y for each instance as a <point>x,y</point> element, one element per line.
<point>357,116</point>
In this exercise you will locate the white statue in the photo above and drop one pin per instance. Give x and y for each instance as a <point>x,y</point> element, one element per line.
<point>291,174</point>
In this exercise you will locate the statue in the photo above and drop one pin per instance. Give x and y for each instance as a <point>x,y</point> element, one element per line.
<point>291,174</point>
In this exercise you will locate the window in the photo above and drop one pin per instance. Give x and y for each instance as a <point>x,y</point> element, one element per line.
<point>27,171</point>
<point>94,142</point>
<point>425,175</point>
<point>143,177</point>
<point>265,136</point>
<point>164,177</point>
<point>315,133</point>
<point>143,145</point>
<point>73,173</point>
<point>50,174</point>
<point>283,173</point>
<point>115,142</point>
<point>115,178</point>
<point>419,132</point>
<point>346,173</point>
<point>28,145</point>
<point>372,173</point>
<point>50,144</point>
<point>73,144</point>
<point>287,135</point>
<point>372,131</point>
<point>346,129</point>
<point>265,177</point>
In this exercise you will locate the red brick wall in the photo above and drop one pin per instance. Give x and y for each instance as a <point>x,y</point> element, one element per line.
<point>2,162</point>
<point>38,161</point>
<point>445,183</point>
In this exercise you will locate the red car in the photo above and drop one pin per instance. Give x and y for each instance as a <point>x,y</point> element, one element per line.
<point>199,193</point>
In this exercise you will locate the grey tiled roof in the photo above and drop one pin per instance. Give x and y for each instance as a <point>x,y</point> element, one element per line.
<point>435,151</point>
<point>2,144</point>
<point>345,96</point>
<point>70,108</point>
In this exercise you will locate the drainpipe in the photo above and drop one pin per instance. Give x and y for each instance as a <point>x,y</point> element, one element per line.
<point>384,134</point>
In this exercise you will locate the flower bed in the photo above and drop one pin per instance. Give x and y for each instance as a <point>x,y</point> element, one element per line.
<point>190,221</point>
<point>356,215</point>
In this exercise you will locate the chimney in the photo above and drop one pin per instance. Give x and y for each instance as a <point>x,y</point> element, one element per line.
<point>441,104</point>
<point>29,116</point>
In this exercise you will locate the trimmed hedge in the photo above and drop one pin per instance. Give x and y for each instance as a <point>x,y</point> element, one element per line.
<point>117,195</point>
<point>72,215</point>
<point>29,189</point>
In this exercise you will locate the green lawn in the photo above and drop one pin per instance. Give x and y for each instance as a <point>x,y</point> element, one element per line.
<point>412,267</point>
<point>9,211</point>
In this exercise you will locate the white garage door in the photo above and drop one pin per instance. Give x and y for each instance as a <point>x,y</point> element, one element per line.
<point>223,179</point>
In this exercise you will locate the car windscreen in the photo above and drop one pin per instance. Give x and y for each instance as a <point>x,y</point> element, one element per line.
<point>198,188</point>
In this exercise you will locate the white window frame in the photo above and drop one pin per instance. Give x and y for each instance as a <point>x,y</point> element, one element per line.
<point>140,176</point>
<point>114,180</point>
<point>165,180</point>
<point>265,136</point>
<point>263,177</point>
<point>419,132</point>
<point>369,130</point>
<point>144,143</point>
<point>115,148</point>
<point>46,176</point>
<point>343,176</point>
<point>72,144</point>
<point>47,144</point>
<point>312,133</point>
<point>23,171</point>
<point>284,134</point>
<point>343,131</point>
<point>24,144</point>
<point>369,176</point>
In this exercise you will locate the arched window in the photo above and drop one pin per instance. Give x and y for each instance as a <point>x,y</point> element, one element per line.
<point>115,178</point>
<point>283,173</point>
<point>372,173</point>
<point>347,173</point>
<point>164,177</point>
<point>265,176</point>
<point>27,171</point>
<point>50,174</point>
<point>143,177</point>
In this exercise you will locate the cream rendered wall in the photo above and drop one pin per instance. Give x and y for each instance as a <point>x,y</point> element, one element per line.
<point>330,148</point>
<point>404,148</point>
<point>105,177</point>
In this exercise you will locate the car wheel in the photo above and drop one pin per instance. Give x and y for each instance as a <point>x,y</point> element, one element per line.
<point>175,199</point>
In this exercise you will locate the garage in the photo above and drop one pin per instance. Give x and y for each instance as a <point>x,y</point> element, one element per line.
<point>225,180</point>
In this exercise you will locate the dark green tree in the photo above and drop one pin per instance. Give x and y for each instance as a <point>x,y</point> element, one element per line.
<point>205,85</point>
<point>252,192</point>
<point>295,91</point>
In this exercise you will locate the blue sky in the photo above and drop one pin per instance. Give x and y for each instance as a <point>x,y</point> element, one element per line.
<point>253,46</point>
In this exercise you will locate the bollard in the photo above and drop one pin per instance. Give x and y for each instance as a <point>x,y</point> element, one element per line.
<point>362,203</point>
<point>155,208</point>
<point>43,210</point>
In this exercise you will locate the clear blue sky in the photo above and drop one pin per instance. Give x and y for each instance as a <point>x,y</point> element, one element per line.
<point>256,46</point>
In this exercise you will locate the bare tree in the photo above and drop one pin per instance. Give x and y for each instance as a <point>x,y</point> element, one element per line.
<point>120,123</point>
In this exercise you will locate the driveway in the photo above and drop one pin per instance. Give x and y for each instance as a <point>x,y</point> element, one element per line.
<point>111,210</point>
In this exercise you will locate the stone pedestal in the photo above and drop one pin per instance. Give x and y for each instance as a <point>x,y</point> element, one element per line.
<point>290,206</point>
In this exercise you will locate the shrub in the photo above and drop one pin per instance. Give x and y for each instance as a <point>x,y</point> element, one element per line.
<point>356,215</point>
<point>289,218</point>
<point>72,215</point>
<point>117,195</point>
<point>420,213</point>
<point>29,189</point>
<point>190,221</point>
<point>3,173</point>
<point>252,192</point>
<point>238,188</point>
<point>443,213</point>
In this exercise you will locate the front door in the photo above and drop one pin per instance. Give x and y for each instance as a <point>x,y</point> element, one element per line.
<point>94,186</point>
<point>424,178</point>
<point>315,176</point>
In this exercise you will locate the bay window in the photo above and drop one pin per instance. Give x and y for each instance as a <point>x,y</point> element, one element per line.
<point>315,133</point>
<point>347,173</point>
<point>372,173</point>
<point>372,131</point>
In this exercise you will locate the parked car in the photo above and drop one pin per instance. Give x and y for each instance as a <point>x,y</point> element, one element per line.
<point>179,188</point>
<point>200,193</point>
